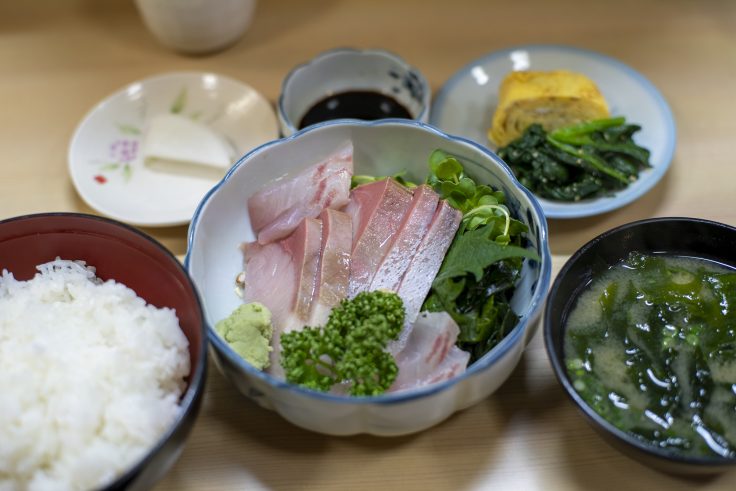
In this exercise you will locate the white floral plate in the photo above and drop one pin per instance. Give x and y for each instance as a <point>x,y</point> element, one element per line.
<point>105,160</point>
<point>465,105</point>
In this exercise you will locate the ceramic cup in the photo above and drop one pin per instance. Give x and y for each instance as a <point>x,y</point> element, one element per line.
<point>343,70</point>
<point>197,26</point>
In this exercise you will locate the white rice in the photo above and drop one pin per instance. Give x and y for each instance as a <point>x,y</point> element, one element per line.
<point>90,378</point>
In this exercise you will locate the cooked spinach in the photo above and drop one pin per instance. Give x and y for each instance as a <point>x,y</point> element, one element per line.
<point>577,162</point>
<point>651,347</point>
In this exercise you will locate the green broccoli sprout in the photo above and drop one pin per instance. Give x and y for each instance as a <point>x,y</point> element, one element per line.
<point>350,348</point>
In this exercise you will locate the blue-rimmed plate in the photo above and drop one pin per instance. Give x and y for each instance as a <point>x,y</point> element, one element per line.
<point>465,105</point>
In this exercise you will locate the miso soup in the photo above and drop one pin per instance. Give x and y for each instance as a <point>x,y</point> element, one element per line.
<point>651,347</point>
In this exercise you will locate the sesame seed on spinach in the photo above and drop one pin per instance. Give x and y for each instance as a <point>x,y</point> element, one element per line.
<point>583,161</point>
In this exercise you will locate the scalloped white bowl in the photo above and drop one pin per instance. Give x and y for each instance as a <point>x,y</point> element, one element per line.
<point>221,223</point>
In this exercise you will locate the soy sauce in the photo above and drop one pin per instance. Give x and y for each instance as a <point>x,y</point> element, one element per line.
<point>358,104</point>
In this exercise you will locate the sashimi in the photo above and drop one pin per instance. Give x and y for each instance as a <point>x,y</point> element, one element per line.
<point>407,239</point>
<point>270,278</point>
<point>430,354</point>
<point>282,276</point>
<point>333,274</point>
<point>455,363</point>
<point>377,210</point>
<point>428,258</point>
<point>278,209</point>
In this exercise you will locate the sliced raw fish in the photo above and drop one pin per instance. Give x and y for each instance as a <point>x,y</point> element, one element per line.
<point>282,276</point>
<point>377,210</point>
<point>270,278</point>
<point>277,210</point>
<point>407,239</point>
<point>333,275</point>
<point>305,245</point>
<point>430,354</point>
<point>428,258</point>
<point>333,192</point>
<point>455,363</point>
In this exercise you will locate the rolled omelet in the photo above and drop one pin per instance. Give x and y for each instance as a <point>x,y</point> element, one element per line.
<point>553,99</point>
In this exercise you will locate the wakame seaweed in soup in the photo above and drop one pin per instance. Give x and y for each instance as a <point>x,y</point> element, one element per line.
<point>651,347</point>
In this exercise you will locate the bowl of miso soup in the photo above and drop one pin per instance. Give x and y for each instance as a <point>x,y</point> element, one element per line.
<point>640,327</point>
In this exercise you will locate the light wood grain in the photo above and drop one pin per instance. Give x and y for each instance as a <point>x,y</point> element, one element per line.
<point>58,59</point>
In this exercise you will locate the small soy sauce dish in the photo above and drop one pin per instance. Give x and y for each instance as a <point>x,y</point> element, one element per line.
<point>349,83</point>
<point>691,239</point>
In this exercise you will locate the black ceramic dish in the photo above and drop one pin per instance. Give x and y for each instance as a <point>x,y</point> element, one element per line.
<point>678,236</point>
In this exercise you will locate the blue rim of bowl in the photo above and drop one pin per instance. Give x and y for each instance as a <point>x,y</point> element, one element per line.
<point>427,102</point>
<point>588,208</point>
<point>487,360</point>
<point>197,380</point>
<point>561,373</point>
<point>102,104</point>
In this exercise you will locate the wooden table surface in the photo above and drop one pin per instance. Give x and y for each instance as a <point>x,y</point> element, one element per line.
<point>58,59</point>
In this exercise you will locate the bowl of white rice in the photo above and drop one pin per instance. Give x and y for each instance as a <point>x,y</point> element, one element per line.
<point>102,351</point>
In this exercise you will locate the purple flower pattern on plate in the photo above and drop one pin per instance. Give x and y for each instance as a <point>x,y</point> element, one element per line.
<point>121,153</point>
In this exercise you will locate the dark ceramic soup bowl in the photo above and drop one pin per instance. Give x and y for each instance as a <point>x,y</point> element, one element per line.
<point>689,237</point>
<point>128,256</point>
